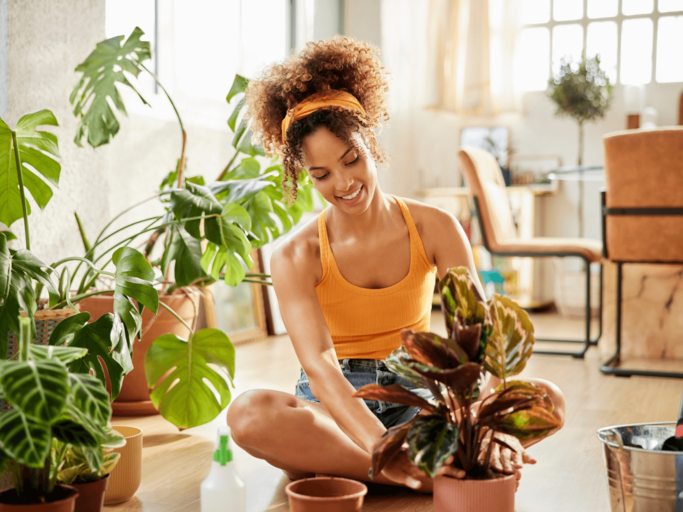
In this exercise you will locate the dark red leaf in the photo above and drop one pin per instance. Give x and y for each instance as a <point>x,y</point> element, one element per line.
<point>388,446</point>
<point>459,379</point>
<point>503,444</point>
<point>468,338</point>
<point>433,350</point>
<point>394,394</point>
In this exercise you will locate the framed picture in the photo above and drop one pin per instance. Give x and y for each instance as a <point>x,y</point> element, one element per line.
<point>239,312</point>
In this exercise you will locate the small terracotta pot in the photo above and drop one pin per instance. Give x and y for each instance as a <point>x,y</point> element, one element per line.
<point>454,495</point>
<point>133,400</point>
<point>330,494</point>
<point>124,480</point>
<point>91,495</point>
<point>64,496</point>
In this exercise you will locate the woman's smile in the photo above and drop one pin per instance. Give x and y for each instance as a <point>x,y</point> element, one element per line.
<point>353,197</point>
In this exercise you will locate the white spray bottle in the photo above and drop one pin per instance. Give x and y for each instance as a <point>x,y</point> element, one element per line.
<point>222,490</point>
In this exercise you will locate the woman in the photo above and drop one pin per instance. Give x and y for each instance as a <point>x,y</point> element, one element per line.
<point>348,283</point>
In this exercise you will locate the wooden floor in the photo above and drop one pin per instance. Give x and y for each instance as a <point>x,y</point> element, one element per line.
<point>569,475</point>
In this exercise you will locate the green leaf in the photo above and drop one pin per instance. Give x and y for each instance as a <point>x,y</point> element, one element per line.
<point>186,251</point>
<point>394,394</point>
<point>113,439</point>
<point>245,146</point>
<point>431,441</point>
<point>102,70</point>
<point>72,432</point>
<point>21,297</point>
<point>194,201</point>
<point>33,267</point>
<point>5,269</point>
<point>511,342</point>
<point>191,401</point>
<point>241,190</point>
<point>24,440</point>
<point>8,235</point>
<point>528,424</point>
<point>36,388</point>
<point>460,298</point>
<point>38,153</point>
<point>89,395</point>
<point>232,120</point>
<point>239,133</point>
<point>63,354</point>
<point>239,84</point>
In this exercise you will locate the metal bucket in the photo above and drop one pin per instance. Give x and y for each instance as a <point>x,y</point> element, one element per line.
<point>641,477</point>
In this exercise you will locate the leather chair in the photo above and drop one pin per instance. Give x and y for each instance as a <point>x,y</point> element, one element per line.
<point>499,234</point>
<point>642,213</point>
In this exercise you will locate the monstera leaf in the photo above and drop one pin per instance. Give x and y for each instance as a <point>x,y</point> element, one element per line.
<point>511,341</point>
<point>38,153</point>
<point>431,441</point>
<point>460,298</point>
<point>193,393</point>
<point>102,70</point>
<point>186,251</point>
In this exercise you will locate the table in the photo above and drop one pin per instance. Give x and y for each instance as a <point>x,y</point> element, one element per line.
<point>580,173</point>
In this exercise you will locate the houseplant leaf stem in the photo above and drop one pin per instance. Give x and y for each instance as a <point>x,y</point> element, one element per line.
<point>17,162</point>
<point>76,298</point>
<point>167,308</point>
<point>155,196</point>
<point>87,262</point>
<point>227,167</point>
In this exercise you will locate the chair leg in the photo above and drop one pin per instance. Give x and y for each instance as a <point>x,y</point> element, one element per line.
<point>611,366</point>
<point>587,341</point>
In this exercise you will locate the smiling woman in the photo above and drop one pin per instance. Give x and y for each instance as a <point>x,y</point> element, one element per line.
<point>349,283</point>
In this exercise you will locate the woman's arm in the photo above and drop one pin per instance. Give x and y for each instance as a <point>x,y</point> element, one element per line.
<point>294,279</point>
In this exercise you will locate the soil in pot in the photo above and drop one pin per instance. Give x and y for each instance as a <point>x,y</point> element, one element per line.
<point>454,495</point>
<point>330,494</point>
<point>91,495</point>
<point>62,499</point>
<point>133,400</point>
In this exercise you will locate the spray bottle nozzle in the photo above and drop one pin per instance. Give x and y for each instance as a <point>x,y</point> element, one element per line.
<point>223,455</point>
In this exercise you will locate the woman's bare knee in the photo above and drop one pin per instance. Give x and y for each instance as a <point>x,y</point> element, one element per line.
<point>254,414</point>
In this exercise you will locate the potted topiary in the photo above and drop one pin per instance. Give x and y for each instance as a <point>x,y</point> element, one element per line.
<point>53,409</point>
<point>206,232</point>
<point>494,336</point>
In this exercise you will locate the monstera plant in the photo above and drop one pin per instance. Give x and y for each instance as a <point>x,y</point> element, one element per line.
<point>496,336</point>
<point>205,231</point>
<point>54,409</point>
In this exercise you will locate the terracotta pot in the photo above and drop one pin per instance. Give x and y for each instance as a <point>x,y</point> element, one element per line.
<point>125,479</point>
<point>330,494</point>
<point>64,497</point>
<point>453,495</point>
<point>133,400</point>
<point>91,495</point>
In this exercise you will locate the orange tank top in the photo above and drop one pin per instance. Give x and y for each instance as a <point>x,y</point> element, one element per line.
<point>366,323</point>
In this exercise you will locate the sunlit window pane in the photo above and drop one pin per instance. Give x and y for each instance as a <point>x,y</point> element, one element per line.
<point>532,57</point>
<point>602,39</point>
<point>669,44</point>
<point>564,10</point>
<point>630,7</point>
<point>264,37</point>
<point>636,51</point>
<point>602,8</point>
<point>535,11</point>
<point>568,43</point>
<point>670,5</point>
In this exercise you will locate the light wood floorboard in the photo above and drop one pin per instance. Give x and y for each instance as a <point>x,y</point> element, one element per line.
<point>569,475</point>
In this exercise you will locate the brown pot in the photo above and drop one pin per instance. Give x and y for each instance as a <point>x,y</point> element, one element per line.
<point>133,400</point>
<point>91,495</point>
<point>454,495</point>
<point>330,494</point>
<point>64,497</point>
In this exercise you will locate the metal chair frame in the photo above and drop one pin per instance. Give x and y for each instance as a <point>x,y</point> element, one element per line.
<point>611,366</point>
<point>587,341</point>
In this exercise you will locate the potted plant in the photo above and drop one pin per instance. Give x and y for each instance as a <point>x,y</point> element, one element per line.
<point>494,336</point>
<point>205,232</point>
<point>53,409</point>
<point>87,469</point>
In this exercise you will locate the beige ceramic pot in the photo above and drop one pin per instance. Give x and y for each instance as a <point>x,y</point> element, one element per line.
<point>64,497</point>
<point>124,480</point>
<point>133,400</point>
<point>454,495</point>
<point>330,494</point>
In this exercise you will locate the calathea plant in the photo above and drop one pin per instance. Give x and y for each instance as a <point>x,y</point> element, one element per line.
<point>53,410</point>
<point>496,336</point>
<point>206,230</point>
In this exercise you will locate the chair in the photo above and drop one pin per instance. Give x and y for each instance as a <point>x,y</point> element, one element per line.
<point>499,234</point>
<point>642,212</point>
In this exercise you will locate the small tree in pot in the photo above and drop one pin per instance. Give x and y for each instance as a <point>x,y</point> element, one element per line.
<point>495,336</point>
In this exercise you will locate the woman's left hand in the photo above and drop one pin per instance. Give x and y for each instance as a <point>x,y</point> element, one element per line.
<point>505,460</point>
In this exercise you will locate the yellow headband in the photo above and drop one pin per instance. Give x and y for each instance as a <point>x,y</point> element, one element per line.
<point>331,98</point>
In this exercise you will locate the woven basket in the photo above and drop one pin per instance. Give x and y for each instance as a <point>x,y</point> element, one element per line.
<point>46,320</point>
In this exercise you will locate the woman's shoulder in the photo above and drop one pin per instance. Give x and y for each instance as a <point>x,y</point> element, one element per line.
<point>299,255</point>
<point>427,217</point>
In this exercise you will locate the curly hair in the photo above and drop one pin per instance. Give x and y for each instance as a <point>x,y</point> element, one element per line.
<point>339,63</point>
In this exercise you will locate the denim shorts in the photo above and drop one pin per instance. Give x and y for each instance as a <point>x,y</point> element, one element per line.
<point>360,372</point>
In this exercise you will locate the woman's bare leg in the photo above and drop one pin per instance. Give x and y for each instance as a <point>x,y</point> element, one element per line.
<point>295,435</point>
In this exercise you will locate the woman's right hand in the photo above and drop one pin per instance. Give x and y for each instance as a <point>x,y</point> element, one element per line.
<point>402,471</point>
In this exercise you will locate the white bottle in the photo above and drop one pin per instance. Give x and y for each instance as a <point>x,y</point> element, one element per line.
<point>222,490</point>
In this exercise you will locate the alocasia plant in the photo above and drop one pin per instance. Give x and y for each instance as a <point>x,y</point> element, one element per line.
<point>496,336</point>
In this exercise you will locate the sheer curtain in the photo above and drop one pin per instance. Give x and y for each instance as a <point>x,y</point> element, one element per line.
<point>471,48</point>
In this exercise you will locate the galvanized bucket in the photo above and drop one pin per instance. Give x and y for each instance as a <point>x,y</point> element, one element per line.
<point>641,477</point>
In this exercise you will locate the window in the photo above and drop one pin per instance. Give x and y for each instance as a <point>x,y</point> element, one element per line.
<point>638,40</point>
